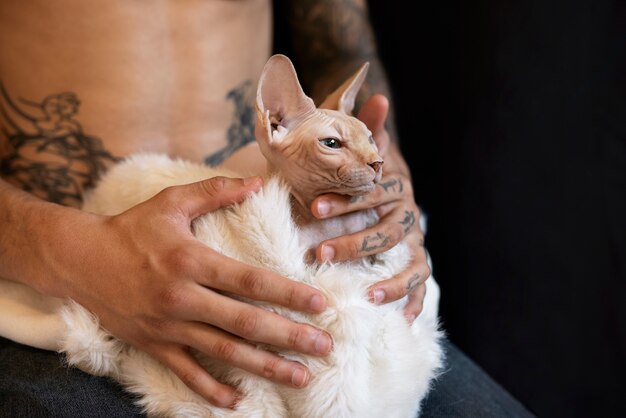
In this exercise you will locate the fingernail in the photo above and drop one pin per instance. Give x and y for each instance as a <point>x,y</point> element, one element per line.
<point>379,295</point>
<point>251,180</point>
<point>323,343</point>
<point>317,303</point>
<point>323,207</point>
<point>299,377</point>
<point>328,253</point>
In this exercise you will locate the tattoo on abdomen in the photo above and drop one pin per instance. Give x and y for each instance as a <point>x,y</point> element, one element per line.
<point>241,131</point>
<point>48,154</point>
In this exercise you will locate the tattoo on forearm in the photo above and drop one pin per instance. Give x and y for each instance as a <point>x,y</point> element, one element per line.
<point>332,39</point>
<point>374,242</point>
<point>48,153</point>
<point>408,221</point>
<point>413,282</point>
<point>241,130</point>
<point>393,184</point>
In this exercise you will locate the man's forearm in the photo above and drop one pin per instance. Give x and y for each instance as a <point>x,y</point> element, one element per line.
<point>331,40</point>
<point>26,222</point>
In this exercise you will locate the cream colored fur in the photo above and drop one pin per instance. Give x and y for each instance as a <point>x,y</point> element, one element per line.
<point>379,367</point>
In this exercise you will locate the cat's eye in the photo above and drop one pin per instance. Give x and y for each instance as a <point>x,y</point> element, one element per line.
<point>330,142</point>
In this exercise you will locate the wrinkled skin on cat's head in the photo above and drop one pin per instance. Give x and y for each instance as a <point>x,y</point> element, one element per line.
<point>317,150</point>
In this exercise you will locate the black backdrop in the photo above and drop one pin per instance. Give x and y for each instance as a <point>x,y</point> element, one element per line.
<point>512,116</point>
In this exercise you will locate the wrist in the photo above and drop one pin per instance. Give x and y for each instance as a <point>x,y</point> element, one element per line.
<point>33,236</point>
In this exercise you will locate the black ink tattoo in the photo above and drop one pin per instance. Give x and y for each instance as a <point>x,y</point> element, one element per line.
<point>331,40</point>
<point>48,154</point>
<point>241,131</point>
<point>393,184</point>
<point>408,221</point>
<point>355,199</point>
<point>374,242</point>
<point>413,282</point>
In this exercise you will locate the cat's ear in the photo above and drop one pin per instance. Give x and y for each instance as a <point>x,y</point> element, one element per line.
<point>280,99</point>
<point>343,98</point>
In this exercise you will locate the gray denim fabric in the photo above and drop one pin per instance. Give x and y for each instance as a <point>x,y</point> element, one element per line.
<point>36,384</point>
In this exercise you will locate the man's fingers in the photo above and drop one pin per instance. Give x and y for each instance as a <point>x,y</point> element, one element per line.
<point>415,304</point>
<point>227,348</point>
<point>188,370</point>
<point>263,285</point>
<point>252,323</point>
<point>416,273</point>
<point>391,229</point>
<point>389,189</point>
<point>373,114</point>
<point>205,196</point>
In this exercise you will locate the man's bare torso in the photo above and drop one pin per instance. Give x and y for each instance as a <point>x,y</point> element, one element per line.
<point>87,82</point>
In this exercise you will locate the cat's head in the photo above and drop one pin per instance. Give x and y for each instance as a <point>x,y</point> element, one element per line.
<point>317,150</point>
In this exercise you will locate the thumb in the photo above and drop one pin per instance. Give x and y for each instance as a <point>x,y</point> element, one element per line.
<point>205,196</point>
<point>374,112</point>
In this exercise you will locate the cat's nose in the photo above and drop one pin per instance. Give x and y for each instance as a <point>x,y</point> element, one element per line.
<point>376,165</point>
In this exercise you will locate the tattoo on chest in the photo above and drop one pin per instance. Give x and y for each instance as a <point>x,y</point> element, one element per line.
<point>47,152</point>
<point>241,130</point>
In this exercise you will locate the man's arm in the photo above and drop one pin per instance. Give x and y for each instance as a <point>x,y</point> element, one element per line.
<point>158,288</point>
<point>332,38</point>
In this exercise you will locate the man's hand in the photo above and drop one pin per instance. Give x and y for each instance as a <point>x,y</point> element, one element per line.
<point>399,219</point>
<point>155,286</point>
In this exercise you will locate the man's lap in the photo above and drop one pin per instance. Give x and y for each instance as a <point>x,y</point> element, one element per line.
<point>35,383</point>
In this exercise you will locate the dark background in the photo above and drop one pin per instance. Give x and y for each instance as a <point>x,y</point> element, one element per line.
<point>512,115</point>
<point>513,119</point>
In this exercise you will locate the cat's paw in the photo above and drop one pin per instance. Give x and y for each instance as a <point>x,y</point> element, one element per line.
<point>86,345</point>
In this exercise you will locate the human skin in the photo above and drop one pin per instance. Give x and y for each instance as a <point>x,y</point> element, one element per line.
<point>169,77</point>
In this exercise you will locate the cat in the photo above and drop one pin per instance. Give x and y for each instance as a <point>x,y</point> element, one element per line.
<point>380,366</point>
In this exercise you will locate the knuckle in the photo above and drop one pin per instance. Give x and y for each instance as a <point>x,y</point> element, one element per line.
<point>376,195</point>
<point>154,328</point>
<point>181,261</point>
<point>254,282</point>
<point>355,248</point>
<point>189,378</point>
<point>169,194</point>
<point>173,297</point>
<point>224,350</point>
<point>213,186</point>
<point>425,271</point>
<point>246,323</point>
<point>407,187</point>
<point>418,212</point>
<point>270,367</point>
<point>290,296</point>
<point>397,292</point>
<point>295,335</point>
<point>395,234</point>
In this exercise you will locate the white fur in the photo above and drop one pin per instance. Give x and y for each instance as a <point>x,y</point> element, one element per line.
<point>379,367</point>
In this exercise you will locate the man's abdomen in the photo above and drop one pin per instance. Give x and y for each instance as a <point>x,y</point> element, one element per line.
<point>85,83</point>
